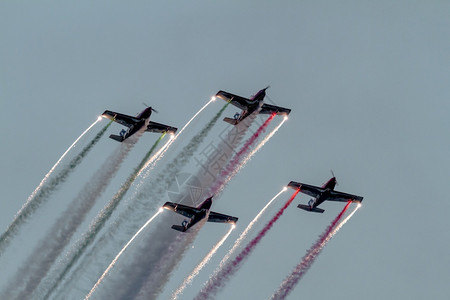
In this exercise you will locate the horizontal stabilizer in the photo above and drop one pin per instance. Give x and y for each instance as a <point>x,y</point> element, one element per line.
<point>231,121</point>
<point>179,228</point>
<point>308,208</point>
<point>116,137</point>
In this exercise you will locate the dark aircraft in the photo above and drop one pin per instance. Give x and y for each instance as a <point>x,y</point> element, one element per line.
<point>321,194</point>
<point>134,124</point>
<point>197,214</point>
<point>248,106</point>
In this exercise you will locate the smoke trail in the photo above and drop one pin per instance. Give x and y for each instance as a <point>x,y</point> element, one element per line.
<point>155,261</point>
<point>124,226</point>
<point>342,223</point>
<point>98,223</point>
<point>45,189</point>
<point>30,275</point>
<point>229,171</point>
<point>187,152</point>
<point>157,277</point>
<point>218,281</point>
<point>243,235</point>
<point>200,266</point>
<point>199,136</point>
<point>291,281</point>
<point>261,144</point>
<point>119,254</point>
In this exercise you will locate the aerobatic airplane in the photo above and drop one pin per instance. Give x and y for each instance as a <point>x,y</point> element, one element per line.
<point>321,194</point>
<point>248,106</point>
<point>195,214</point>
<point>134,124</point>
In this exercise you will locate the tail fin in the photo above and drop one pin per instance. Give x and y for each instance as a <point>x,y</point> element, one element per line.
<point>308,208</point>
<point>116,137</point>
<point>231,121</point>
<point>179,228</point>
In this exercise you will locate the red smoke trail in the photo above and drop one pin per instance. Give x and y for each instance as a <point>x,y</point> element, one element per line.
<point>219,279</point>
<point>228,173</point>
<point>291,281</point>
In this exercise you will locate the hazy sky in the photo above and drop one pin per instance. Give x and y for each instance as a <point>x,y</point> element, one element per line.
<point>368,84</point>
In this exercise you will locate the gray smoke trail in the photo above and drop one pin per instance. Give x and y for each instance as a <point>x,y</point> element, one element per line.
<point>42,194</point>
<point>114,261</point>
<point>30,275</point>
<point>152,283</point>
<point>150,258</point>
<point>138,207</point>
<point>188,280</point>
<point>96,225</point>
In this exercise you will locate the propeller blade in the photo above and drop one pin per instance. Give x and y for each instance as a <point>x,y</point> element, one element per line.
<point>332,173</point>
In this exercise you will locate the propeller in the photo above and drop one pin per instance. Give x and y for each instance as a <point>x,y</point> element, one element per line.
<point>332,173</point>
<point>150,107</point>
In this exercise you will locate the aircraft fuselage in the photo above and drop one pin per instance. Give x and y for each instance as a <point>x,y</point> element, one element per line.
<point>204,207</point>
<point>328,186</point>
<point>254,103</point>
<point>144,118</point>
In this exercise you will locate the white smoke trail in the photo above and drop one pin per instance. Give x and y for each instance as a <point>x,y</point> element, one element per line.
<point>220,279</point>
<point>243,235</point>
<point>119,254</point>
<point>201,265</point>
<point>264,141</point>
<point>81,245</point>
<point>155,281</point>
<point>138,206</point>
<point>35,199</point>
<point>300,270</point>
<point>342,223</point>
<point>57,163</point>
<point>153,264</point>
<point>36,267</point>
<point>164,149</point>
<point>247,157</point>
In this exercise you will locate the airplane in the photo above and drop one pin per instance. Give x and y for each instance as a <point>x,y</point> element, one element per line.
<point>248,106</point>
<point>321,194</point>
<point>134,124</point>
<point>195,214</point>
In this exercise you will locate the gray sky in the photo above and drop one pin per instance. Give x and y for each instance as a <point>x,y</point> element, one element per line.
<point>368,87</point>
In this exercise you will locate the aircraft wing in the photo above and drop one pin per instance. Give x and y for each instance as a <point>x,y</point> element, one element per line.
<point>184,210</point>
<point>220,218</point>
<point>158,127</point>
<point>311,190</point>
<point>236,100</point>
<point>268,109</point>
<point>343,197</point>
<point>125,120</point>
